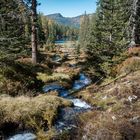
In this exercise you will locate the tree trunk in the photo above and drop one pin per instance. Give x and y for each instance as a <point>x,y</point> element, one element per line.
<point>135,22</point>
<point>34,32</point>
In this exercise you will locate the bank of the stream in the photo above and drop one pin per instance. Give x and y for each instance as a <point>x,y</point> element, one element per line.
<point>68,108</point>
<point>66,120</point>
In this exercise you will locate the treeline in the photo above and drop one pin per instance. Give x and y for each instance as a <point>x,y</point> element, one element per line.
<point>21,27</point>
<point>109,32</point>
<point>14,27</point>
<point>49,31</point>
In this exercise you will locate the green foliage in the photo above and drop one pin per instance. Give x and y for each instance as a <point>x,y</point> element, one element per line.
<point>49,31</point>
<point>106,34</point>
<point>13,27</point>
<point>84,31</point>
<point>17,77</point>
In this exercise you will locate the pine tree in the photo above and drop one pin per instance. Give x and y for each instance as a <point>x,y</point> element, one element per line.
<point>34,30</point>
<point>11,27</point>
<point>134,22</point>
<point>52,32</point>
<point>44,22</point>
<point>108,33</point>
<point>84,31</point>
<point>40,31</point>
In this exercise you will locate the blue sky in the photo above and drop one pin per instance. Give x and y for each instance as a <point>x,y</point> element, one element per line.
<point>68,8</point>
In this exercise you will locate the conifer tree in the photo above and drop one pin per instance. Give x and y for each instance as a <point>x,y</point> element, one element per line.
<point>40,31</point>
<point>135,22</point>
<point>52,32</point>
<point>11,27</point>
<point>34,30</point>
<point>108,34</point>
<point>84,31</point>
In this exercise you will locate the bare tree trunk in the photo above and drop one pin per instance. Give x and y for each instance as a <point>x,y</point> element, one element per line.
<point>34,32</point>
<point>135,39</point>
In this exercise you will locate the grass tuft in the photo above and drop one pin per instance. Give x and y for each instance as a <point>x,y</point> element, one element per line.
<point>36,112</point>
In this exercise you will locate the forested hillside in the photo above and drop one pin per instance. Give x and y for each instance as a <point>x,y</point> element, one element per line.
<point>60,82</point>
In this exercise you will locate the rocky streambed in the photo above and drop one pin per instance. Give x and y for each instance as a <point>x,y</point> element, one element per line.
<point>66,120</point>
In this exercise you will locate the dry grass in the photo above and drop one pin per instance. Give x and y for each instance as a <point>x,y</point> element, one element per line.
<point>129,65</point>
<point>54,77</point>
<point>34,112</point>
<point>63,78</point>
<point>106,126</point>
<point>134,51</point>
<point>117,115</point>
<point>49,135</point>
<point>121,88</point>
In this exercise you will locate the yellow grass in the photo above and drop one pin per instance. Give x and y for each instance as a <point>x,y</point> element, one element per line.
<point>30,112</point>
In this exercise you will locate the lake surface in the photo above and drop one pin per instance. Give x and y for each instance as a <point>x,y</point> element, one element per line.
<point>60,42</point>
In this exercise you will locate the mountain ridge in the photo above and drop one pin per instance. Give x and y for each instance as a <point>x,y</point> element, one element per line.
<point>67,21</point>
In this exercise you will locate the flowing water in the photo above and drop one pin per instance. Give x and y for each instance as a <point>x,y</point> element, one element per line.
<point>67,116</point>
<point>56,58</point>
<point>23,136</point>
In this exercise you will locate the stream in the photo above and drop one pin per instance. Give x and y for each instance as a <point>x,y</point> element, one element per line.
<point>67,116</point>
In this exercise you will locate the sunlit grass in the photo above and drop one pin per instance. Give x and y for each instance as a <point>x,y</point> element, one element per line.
<point>31,112</point>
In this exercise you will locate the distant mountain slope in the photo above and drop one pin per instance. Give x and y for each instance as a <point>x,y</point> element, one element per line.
<point>74,21</point>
